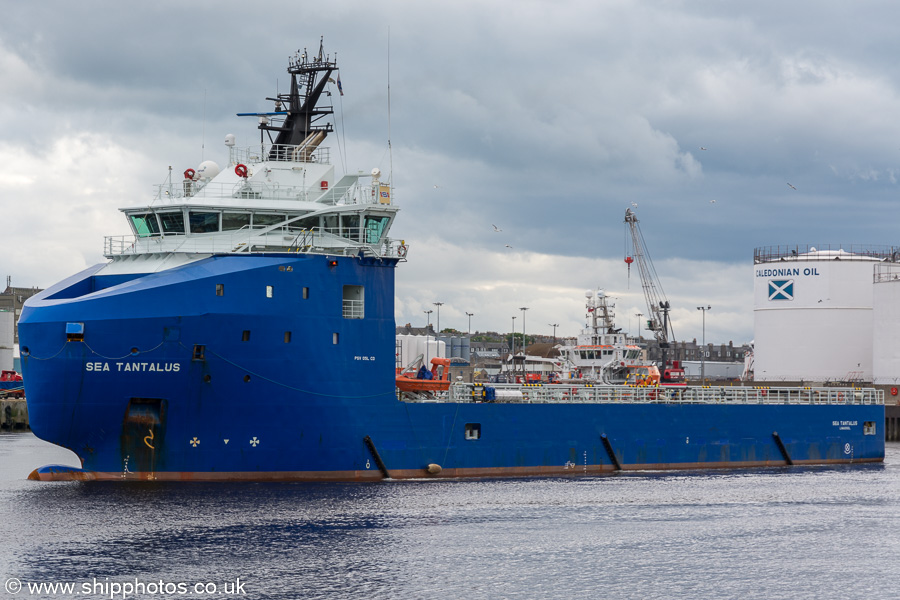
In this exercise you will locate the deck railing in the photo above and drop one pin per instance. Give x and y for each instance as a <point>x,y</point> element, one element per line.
<point>282,239</point>
<point>625,394</point>
<point>801,252</point>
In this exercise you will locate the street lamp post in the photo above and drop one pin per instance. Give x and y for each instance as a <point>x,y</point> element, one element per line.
<point>554,326</point>
<point>523,309</point>
<point>524,343</point>
<point>703,352</point>
<point>439,305</point>
<point>427,327</point>
<point>512,340</point>
<point>470,321</point>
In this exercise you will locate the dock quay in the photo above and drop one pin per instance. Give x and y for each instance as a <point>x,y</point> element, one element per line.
<point>13,415</point>
<point>891,422</point>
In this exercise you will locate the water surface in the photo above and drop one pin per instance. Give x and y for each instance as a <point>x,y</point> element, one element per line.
<point>822,532</point>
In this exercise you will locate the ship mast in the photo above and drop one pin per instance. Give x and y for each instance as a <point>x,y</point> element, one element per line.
<point>304,124</point>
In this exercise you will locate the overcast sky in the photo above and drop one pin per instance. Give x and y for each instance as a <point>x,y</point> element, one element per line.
<point>548,119</point>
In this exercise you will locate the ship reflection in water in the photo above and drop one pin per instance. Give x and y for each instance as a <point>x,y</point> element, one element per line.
<point>797,532</point>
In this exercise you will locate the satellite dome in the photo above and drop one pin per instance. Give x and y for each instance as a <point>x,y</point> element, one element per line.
<point>207,170</point>
<point>376,173</point>
<point>229,140</point>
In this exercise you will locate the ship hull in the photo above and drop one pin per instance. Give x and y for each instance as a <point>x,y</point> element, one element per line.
<point>162,377</point>
<point>515,441</point>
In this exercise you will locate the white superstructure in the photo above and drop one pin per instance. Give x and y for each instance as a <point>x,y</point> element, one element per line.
<point>602,352</point>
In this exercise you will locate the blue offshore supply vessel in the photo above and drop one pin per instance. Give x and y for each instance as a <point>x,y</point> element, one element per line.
<point>245,331</point>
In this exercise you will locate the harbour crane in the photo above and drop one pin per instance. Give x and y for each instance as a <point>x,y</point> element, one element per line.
<point>657,304</point>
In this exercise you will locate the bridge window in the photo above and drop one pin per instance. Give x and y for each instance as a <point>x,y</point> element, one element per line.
<point>331,224</point>
<point>232,221</point>
<point>172,222</point>
<point>375,227</point>
<point>203,222</point>
<point>145,224</point>
<point>350,227</point>
<point>266,220</point>
<point>306,223</point>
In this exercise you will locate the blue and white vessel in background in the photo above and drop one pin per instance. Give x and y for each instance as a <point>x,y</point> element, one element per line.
<point>245,331</point>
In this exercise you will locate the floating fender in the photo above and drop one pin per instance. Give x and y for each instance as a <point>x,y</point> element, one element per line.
<point>434,469</point>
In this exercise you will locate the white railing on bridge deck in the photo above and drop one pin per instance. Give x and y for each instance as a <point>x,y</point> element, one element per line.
<point>282,239</point>
<point>281,152</point>
<point>625,394</point>
<point>356,193</point>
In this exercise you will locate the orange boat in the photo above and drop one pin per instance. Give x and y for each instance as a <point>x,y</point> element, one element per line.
<point>416,378</point>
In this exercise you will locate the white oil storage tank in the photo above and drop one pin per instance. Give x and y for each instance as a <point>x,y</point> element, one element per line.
<point>886,325</point>
<point>812,313</point>
<point>7,338</point>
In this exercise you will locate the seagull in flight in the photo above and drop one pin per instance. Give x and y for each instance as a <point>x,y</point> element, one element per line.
<point>508,246</point>
<point>792,187</point>
<point>712,201</point>
<point>702,148</point>
<point>634,204</point>
<point>497,229</point>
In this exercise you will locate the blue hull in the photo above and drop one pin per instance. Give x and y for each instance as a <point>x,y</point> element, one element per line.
<point>170,380</point>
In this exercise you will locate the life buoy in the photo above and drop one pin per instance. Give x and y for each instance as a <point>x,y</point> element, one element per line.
<point>893,391</point>
<point>840,396</point>
<point>189,173</point>
<point>401,250</point>
<point>240,170</point>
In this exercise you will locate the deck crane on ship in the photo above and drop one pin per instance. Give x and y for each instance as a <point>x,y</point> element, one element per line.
<point>657,304</point>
